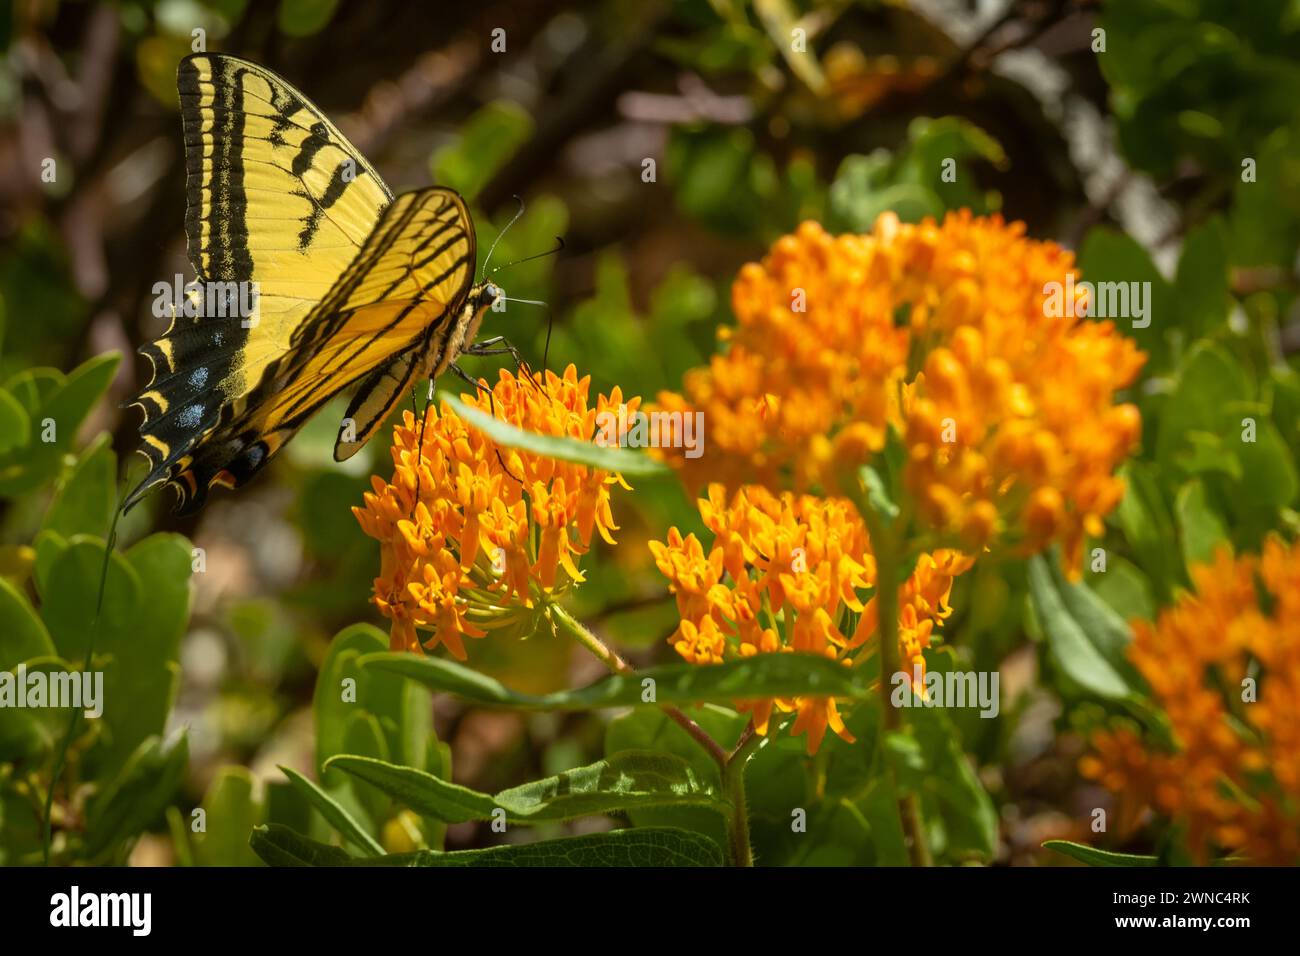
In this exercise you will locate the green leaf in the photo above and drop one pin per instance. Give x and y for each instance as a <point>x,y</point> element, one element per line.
<point>31,732</point>
<point>1094,857</point>
<point>624,461</point>
<point>70,594</point>
<point>627,780</point>
<point>277,845</point>
<point>65,407</point>
<point>336,815</point>
<point>1085,637</point>
<point>15,426</point>
<point>765,675</point>
<point>487,141</point>
<point>643,846</point>
<point>422,792</point>
<point>952,796</point>
<point>1209,382</point>
<point>141,686</point>
<point>137,796</point>
<point>1110,256</point>
<point>86,500</point>
<point>1144,516</point>
<point>22,635</point>
<point>302,18</point>
<point>649,728</point>
<point>1201,528</point>
<point>1201,287</point>
<point>231,813</point>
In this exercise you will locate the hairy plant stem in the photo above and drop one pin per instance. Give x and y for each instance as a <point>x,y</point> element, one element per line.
<point>888,550</point>
<point>732,765</point>
<point>733,784</point>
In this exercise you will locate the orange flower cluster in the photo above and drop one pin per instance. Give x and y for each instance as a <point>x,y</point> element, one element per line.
<point>784,574</point>
<point>490,531</point>
<point>1224,663</point>
<point>941,333</point>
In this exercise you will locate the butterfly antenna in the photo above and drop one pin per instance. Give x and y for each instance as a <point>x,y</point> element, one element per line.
<point>559,247</point>
<point>493,248</point>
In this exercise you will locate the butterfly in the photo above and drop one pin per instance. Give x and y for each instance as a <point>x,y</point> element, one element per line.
<point>352,287</point>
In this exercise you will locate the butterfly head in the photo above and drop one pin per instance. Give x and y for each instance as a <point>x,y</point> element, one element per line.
<point>488,294</point>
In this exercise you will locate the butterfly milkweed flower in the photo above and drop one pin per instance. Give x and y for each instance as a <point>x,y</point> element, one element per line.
<point>783,573</point>
<point>1224,663</point>
<point>474,536</point>
<point>939,332</point>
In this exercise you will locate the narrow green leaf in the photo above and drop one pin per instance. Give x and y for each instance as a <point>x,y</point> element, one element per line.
<point>766,675</point>
<point>15,426</point>
<point>232,812</point>
<point>1077,651</point>
<point>628,780</point>
<point>139,794</point>
<point>621,460</point>
<point>641,846</point>
<point>422,792</point>
<point>335,815</point>
<point>277,845</point>
<point>1094,857</point>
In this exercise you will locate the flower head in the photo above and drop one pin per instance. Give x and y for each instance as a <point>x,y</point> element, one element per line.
<point>787,573</point>
<point>944,334</point>
<point>1224,663</point>
<point>473,536</point>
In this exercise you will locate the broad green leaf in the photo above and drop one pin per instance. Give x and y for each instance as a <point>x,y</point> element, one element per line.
<point>422,792</point>
<point>15,426</point>
<point>1094,857</point>
<point>86,500</point>
<point>766,675</point>
<point>1082,648</point>
<point>1268,469</point>
<point>1209,381</point>
<point>231,812</point>
<point>1107,256</point>
<point>137,796</point>
<point>1201,528</point>
<point>68,603</point>
<point>141,686</point>
<point>336,815</point>
<point>62,410</point>
<point>1201,286</point>
<point>28,732</point>
<point>1144,516</point>
<point>624,461</point>
<point>627,780</point>
<point>22,635</point>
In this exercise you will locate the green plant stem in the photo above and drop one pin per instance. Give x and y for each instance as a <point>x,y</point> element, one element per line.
<point>732,765</point>
<point>610,658</point>
<point>733,784</point>
<point>888,551</point>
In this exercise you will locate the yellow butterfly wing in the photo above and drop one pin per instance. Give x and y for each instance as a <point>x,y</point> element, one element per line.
<point>346,279</point>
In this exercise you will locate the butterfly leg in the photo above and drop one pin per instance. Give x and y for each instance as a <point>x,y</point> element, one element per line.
<point>492,407</point>
<point>499,345</point>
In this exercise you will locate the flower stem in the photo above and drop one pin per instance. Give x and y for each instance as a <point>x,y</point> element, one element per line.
<point>610,658</point>
<point>733,783</point>
<point>888,551</point>
<point>732,766</point>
